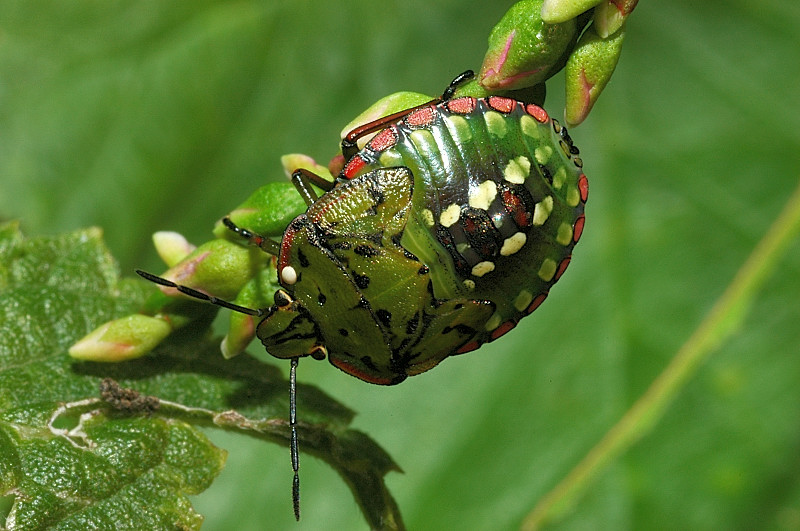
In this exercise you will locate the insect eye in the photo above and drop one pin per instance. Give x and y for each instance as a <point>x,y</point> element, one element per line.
<point>282,299</point>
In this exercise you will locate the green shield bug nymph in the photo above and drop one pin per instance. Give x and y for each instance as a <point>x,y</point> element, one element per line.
<point>448,227</point>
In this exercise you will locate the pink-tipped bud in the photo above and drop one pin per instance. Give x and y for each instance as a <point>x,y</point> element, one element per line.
<point>611,15</point>
<point>122,339</point>
<point>555,11</point>
<point>588,70</point>
<point>172,247</point>
<point>218,267</point>
<point>524,50</point>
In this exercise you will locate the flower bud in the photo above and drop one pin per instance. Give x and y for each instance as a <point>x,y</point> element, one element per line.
<point>218,267</point>
<point>267,212</point>
<point>297,161</point>
<point>524,50</point>
<point>241,331</point>
<point>588,70</point>
<point>555,11</point>
<point>122,339</point>
<point>611,14</point>
<point>258,293</point>
<point>172,247</point>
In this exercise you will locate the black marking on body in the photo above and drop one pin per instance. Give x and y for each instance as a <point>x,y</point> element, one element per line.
<point>367,251</point>
<point>375,238</point>
<point>522,219</point>
<point>481,233</point>
<point>341,245</point>
<point>546,174</point>
<point>385,317</point>
<point>362,281</point>
<point>446,239</point>
<point>462,329</point>
<point>343,332</point>
<point>286,334</point>
<point>321,298</point>
<point>408,254</point>
<point>366,360</point>
<point>412,324</point>
<point>376,193</point>
<point>282,299</point>
<point>303,259</point>
<point>424,270</point>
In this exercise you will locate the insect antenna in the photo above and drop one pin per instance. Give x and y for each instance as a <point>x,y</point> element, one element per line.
<point>265,244</point>
<point>293,444</point>
<point>199,294</point>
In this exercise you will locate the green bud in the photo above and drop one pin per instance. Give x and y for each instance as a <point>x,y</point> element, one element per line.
<point>588,70</point>
<point>219,267</point>
<point>258,293</point>
<point>242,330</point>
<point>555,11</point>
<point>266,212</point>
<point>399,101</point>
<point>524,50</point>
<point>172,247</point>
<point>611,14</point>
<point>297,161</point>
<point>121,340</point>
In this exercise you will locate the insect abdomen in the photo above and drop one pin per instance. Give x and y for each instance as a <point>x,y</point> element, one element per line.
<point>498,200</point>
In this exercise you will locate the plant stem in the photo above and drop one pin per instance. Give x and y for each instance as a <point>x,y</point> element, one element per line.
<point>724,318</point>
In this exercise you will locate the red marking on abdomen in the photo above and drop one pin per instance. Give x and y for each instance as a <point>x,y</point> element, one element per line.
<point>583,187</point>
<point>537,301</point>
<point>463,105</point>
<point>421,117</point>
<point>562,267</point>
<point>468,347</point>
<point>352,370</point>
<point>504,105</point>
<point>384,140</point>
<point>516,209</point>
<point>537,112</point>
<point>577,229</point>
<point>502,329</point>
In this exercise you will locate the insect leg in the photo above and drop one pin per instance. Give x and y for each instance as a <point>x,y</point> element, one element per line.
<point>265,244</point>
<point>302,179</point>
<point>461,78</point>
<point>314,179</point>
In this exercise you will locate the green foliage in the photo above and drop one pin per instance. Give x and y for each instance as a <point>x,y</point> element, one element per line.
<point>164,116</point>
<point>71,460</point>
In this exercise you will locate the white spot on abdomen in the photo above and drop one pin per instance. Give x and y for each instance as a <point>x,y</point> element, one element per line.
<point>482,196</point>
<point>481,268</point>
<point>513,244</point>
<point>450,215</point>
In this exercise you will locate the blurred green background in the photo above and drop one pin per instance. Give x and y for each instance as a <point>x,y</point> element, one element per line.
<point>152,115</point>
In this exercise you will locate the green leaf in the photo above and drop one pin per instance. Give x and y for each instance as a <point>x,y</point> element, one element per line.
<point>71,459</point>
